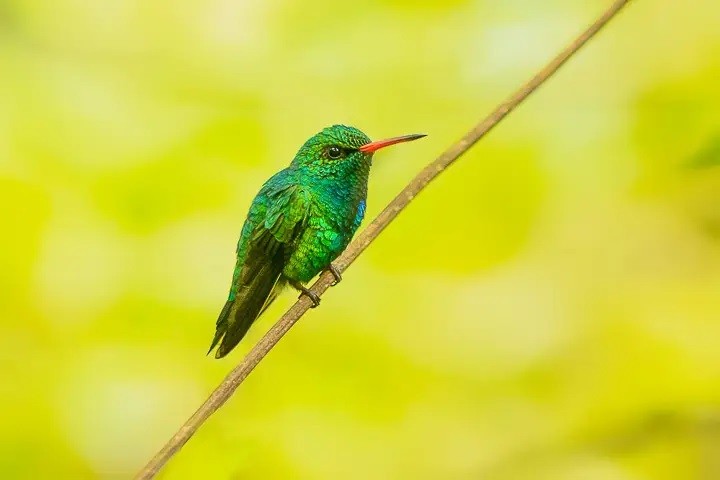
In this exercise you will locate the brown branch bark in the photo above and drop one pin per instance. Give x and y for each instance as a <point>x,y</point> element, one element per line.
<point>233,380</point>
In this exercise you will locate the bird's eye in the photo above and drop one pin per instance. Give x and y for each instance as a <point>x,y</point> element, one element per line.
<point>334,152</point>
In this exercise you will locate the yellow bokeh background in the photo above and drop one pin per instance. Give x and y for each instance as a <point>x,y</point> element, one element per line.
<point>548,309</point>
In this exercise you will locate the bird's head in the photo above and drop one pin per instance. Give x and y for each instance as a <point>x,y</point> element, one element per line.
<point>340,148</point>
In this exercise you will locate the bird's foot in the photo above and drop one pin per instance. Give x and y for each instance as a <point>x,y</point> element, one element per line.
<point>314,298</point>
<point>335,273</point>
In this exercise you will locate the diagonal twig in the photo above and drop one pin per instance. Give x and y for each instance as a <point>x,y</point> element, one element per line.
<point>233,380</point>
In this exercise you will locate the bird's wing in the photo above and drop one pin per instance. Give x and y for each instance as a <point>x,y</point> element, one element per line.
<point>278,215</point>
<point>286,214</point>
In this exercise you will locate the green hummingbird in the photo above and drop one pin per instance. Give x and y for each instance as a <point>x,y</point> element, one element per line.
<point>301,220</point>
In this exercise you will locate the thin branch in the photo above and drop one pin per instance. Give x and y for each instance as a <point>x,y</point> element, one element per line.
<point>233,380</point>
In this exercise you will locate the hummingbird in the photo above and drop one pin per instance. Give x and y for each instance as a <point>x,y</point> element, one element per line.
<point>301,220</point>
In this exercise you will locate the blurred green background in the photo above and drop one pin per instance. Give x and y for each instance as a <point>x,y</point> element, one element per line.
<point>548,309</point>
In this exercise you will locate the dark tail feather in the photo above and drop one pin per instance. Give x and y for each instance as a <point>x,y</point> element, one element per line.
<point>239,314</point>
<point>221,325</point>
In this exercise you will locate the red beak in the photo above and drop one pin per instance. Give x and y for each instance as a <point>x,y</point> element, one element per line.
<point>377,145</point>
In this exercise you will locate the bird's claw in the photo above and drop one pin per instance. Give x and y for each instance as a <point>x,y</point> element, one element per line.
<point>314,298</point>
<point>335,273</point>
